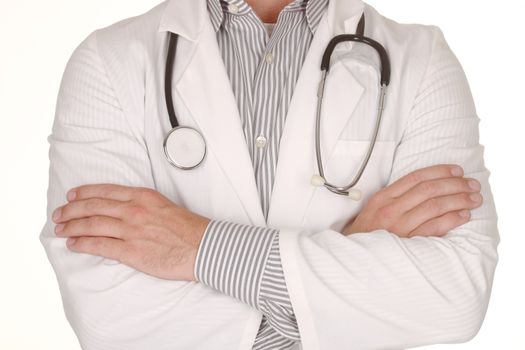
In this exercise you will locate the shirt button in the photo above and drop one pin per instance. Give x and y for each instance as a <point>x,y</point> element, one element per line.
<point>269,58</point>
<point>260,141</point>
<point>233,8</point>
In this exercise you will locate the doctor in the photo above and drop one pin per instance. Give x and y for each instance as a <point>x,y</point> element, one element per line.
<point>243,252</point>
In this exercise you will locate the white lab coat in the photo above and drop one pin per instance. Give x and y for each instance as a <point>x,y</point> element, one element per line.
<point>363,291</point>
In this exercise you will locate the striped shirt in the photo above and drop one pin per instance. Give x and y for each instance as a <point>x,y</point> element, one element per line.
<point>243,261</point>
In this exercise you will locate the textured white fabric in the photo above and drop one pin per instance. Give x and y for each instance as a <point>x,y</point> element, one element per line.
<point>379,291</point>
<point>365,291</point>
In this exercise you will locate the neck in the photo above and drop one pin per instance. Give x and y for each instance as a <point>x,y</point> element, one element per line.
<point>268,10</point>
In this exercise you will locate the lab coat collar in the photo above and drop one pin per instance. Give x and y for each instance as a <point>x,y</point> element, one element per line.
<point>186,17</point>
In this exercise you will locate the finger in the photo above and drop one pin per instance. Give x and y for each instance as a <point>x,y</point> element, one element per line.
<point>440,226</point>
<point>90,207</point>
<point>93,226</point>
<point>438,206</point>
<point>102,246</point>
<point>435,188</point>
<point>109,191</point>
<point>408,181</point>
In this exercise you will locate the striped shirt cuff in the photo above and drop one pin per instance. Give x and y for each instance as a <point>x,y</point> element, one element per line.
<point>231,259</point>
<point>244,262</point>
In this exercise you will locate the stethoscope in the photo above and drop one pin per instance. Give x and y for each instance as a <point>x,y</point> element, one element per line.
<point>185,148</point>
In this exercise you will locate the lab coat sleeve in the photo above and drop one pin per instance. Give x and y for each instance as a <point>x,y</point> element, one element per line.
<point>379,291</point>
<point>109,305</point>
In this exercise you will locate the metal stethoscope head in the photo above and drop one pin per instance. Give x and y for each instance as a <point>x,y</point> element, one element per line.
<point>320,179</point>
<point>184,146</point>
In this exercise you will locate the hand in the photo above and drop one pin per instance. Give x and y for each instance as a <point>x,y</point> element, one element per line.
<point>427,202</point>
<point>136,226</point>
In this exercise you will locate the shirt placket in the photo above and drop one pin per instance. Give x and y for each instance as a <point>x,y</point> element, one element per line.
<point>268,88</point>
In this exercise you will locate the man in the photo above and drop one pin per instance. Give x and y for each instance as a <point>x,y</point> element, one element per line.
<point>243,252</point>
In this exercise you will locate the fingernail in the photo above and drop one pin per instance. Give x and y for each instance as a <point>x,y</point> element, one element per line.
<point>475,197</point>
<point>464,213</point>
<point>457,171</point>
<point>59,228</point>
<point>57,213</point>
<point>474,185</point>
<point>71,241</point>
<point>71,195</point>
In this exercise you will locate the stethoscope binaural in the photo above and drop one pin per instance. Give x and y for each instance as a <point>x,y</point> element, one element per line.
<point>185,147</point>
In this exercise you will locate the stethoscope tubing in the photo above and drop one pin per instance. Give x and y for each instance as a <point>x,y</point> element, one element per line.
<point>343,190</point>
<point>384,82</point>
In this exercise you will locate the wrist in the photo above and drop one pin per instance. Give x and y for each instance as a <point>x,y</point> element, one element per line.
<point>200,227</point>
<point>190,228</point>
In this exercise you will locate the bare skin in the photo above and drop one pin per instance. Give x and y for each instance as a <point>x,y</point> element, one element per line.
<point>146,231</point>
<point>268,10</point>
<point>427,202</point>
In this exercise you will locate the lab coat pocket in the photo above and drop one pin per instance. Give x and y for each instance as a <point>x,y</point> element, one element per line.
<point>347,157</point>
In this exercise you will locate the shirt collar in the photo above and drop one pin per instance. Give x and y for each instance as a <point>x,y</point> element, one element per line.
<point>314,10</point>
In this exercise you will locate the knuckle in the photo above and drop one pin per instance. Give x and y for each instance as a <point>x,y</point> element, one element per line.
<point>66,210</point>
<point>433,228</point>
<point>137,211</point>
<point>465,183</point>
<point>415,232</point>
<point>415,177</point>
<point>92,205</point>
<point>146,194</point>
<point>67,228</point>
<point>396,228</point>
<point>378,199</point>
<point>433,205</point>
<point>430,188</point>
<point>82,243</point>
<point>93,222</point>
<point>386,213</point>
<point>96,243</point>
<point>107,191</point>
<point>466,199</point>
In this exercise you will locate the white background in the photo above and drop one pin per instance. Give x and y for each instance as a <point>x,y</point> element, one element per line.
<point>38,37</point>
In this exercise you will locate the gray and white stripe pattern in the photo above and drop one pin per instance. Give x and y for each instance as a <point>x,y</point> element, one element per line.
<point>239,260</point>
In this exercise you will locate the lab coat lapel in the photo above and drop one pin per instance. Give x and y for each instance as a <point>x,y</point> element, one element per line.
<point>292,189</point>
<point>204,88</point>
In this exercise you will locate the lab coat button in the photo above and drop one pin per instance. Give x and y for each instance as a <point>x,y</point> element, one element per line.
<point>233,8</point>
<point>260,141</point>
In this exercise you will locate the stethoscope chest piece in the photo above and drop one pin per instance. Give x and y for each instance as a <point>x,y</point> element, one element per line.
<point>185,147</point>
